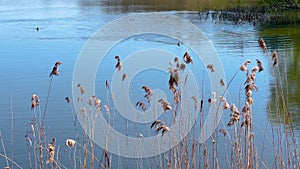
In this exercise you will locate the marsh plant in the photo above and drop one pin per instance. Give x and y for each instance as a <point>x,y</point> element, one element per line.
<point>237,138</point>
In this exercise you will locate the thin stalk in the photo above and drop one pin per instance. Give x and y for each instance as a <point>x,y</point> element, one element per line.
<point>12,130</point>
<point>3,147</point>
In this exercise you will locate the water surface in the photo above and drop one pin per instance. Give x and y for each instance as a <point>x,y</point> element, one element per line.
<point>27,57</point>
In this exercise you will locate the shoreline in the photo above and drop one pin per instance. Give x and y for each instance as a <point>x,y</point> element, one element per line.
<point>260,15</point>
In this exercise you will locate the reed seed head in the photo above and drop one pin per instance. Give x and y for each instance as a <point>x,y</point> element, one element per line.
<point>35,101</point>
<point>187,58</point>
<point>262,45</point>
<point>222,83</point>
<point>164,128</point>
<point>119,64</point>
<point>211,67</point>
<point>165,104</point>
<point>67,99</point>
<point>70,143</point>
<point>142,105</point>
<point>106,84</point>
<point>156,123</point>
<point>55,69</point>
<point>274,58</point>
<point>123,77</point>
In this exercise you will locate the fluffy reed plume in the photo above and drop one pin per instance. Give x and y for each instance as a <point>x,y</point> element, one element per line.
<point>223,132</point>
<point>55,69</point>
<point>213,99</point>
<point>93,100</point>
<point>246,107</point>
<point>82,90</point>
<point>251,86</point>
<point>97,102</point>
<point>211,67</point>
<point>176,59</point>
<point>142,105</point>
<point>70,143</point>
<point>259,65</point>
<point>163,128</point>
<point>165,104</point>
<point>148,94</point>
<point>222,83</point>
<point>107,109</point>
<point>67,99</point>
<point>35,101</point>
<point>140,135</point>
<point>274,58</point>
<point>176,96</point>
<point>156,123</point>
<point>262,45</point>
<point>179,66</point>
<point>187,58</point>
<point>234,116</point>
<point>119,64</point>
<point>51,151</point>
<point>182,66</point>
<point>123,77</point>
<point>160,126</point>
<point>244,66</point>
<point>195,99</point>
<point>252,76</point>
<point>174,78</point>
<point>106,84</point>
<point>225,103</point>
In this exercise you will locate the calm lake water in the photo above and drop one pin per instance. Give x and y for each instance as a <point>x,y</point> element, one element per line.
<point>27,57</point>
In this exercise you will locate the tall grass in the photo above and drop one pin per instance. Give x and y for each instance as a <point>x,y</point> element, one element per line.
<point>233,145</point>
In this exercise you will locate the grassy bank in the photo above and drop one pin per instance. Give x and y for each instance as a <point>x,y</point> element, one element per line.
<point>262,13</point>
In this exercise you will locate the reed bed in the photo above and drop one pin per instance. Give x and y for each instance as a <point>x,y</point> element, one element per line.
<point>232,144</point>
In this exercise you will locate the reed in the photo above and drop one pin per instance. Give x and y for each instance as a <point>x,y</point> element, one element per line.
<point>237,137</point>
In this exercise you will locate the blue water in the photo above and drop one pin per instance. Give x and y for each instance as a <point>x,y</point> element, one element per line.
<point>27,57</point>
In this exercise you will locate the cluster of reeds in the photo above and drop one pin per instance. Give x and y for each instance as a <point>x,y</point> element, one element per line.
<point>36,137</point>
<point>239,132</point>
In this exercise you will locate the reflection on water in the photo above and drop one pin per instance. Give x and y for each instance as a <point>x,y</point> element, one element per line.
<point>125,6</point>
<point>285,89</point>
